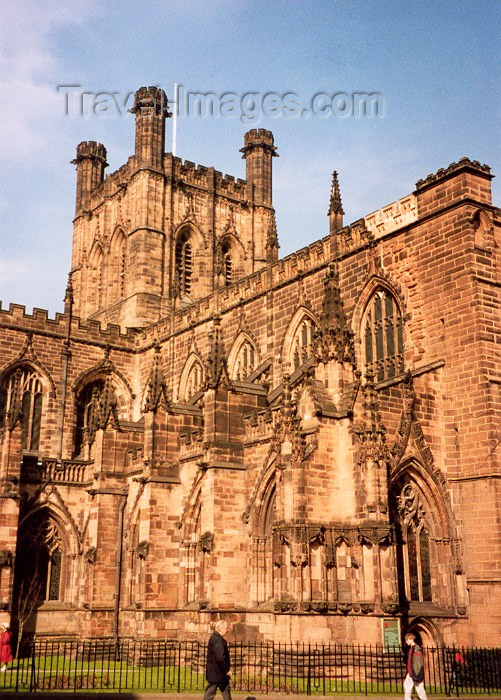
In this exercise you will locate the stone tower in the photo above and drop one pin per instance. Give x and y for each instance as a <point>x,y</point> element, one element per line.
<point>160,233</point>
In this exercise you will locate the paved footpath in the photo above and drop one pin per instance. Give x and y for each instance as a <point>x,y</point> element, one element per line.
<point>103,695</point>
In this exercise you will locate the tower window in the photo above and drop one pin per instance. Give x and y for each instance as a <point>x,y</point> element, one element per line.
<point>383,336</point>
<point>184,264</point>
<point>227,264</point>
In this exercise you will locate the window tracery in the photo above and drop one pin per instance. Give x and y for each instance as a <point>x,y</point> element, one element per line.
<point>87,411</point>
<point>40,554</point>
<point>302,344</point>
<point>22,393</point>
<point>245,362</point>
<point>413,541</point>
<point>184,263</point>
<point>382,334</point>
<point>194,380</point>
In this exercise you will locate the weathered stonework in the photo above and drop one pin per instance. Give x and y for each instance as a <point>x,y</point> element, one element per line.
<point>304,445</point>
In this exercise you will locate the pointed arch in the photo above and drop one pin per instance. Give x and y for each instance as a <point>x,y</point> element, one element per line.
<point>46,547</point>
<point>102,369</point>
<point>231,258</point>
<point>117,266</point>
<point>378,321</point>
<point>96,296</point>
<point>88,392</point>
<point>192,378</point>
<point>24,392</point>
<point>424,534</point>
<point>189,263</point>
<point>192,552</point>
<point>483,228</point>
<point>264,516</point>
<point>298,341</point>
<point>243,357</point>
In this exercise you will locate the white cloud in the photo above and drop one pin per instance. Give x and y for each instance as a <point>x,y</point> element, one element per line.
<point>28,64</point>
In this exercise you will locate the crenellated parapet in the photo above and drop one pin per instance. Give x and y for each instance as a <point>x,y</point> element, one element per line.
<point>463,164</point>
<point>17,319</point>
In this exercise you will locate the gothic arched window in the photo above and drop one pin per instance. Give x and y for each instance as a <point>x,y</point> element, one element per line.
<point>413,546</point>
<point>228,271</point>
<point>97,288</point>
<point>22,393</point>
<point>302,344</point>
<point>382,333</point>
<point>39,559</point>
<point>245,362</point>
<point>184,263</point>
<point>87,407</point>
<point>194,380</point>
<point>117,266</point>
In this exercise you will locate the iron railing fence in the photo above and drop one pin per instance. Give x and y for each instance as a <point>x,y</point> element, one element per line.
<point>179,666</point>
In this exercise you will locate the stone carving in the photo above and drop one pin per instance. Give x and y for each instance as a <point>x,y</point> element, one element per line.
<point>6,557</point>
<point>333,340</point>
<point>216,369</point>
<point>90,555</point>
<point>142,549</point>
<point>157,394</point>
<point>206,542</point>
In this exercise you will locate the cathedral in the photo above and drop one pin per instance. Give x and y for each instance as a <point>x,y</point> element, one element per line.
<point>307,447</point>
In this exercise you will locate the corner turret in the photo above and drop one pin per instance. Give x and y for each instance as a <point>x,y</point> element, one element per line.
<point>258,151</point>
<point>91,162</point>
<point>150,108</point>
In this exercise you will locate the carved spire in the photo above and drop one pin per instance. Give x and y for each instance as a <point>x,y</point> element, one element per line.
<point>156,393</point>
<point>68,296</point>
<point>216,364</point>
<point>334,340</point>
<point>272,244</point>
<point>336,207</point>
<point>107,410</point>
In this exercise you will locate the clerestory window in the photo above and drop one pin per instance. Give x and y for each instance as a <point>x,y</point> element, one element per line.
<point>302,344</point>
<point>382,331</point>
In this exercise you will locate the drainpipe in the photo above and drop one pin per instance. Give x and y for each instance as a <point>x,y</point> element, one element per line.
<point>66,353</point>
<point>120,534</point>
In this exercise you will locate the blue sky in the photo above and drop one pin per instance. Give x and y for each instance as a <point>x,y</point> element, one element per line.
<point>435,64</point>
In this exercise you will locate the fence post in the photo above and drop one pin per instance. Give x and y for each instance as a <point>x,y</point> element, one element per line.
<point>33,680</point>
<point>179,666</point>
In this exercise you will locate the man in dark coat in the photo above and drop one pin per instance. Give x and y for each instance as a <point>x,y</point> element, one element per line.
<point>218,663</point>
<point>415,669</point>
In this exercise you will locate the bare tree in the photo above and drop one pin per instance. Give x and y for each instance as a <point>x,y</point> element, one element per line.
<point>28,599</point>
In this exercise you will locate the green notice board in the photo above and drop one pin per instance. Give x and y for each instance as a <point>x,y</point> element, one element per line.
<point>391,633</point>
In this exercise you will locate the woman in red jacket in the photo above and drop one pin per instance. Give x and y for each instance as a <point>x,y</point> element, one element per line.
<point>5,649</point>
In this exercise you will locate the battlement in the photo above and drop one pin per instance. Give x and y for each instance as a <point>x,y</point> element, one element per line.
<point>39,321</point>
<point>91,150</point>
<point>201,176</point>
<point>258,138</point>
<point>463,164</point>
<point>148,99</point>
